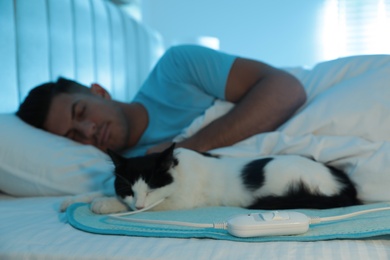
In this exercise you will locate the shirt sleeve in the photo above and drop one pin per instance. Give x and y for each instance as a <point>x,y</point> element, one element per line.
<point>201,67</point>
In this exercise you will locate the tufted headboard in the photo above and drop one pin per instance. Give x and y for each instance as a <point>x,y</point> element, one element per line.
<point>86,40</point>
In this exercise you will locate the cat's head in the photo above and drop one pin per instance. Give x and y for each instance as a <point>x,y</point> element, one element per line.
<point>144,180</point>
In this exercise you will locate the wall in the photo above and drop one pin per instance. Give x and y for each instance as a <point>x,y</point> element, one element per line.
<point>281,32</point>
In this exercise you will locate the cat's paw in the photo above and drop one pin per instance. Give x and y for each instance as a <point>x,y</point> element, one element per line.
<point>87,198</point>
<point>108,205</point>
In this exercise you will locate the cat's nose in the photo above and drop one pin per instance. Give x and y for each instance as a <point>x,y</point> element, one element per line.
<point>139,206</point>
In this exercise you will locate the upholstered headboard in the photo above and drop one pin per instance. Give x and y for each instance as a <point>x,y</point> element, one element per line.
<point>86,40</point>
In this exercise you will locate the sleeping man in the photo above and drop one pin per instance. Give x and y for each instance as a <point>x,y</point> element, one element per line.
<point>183,84</point>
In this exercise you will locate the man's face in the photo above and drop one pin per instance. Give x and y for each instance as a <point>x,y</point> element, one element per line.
<point>88,119</point>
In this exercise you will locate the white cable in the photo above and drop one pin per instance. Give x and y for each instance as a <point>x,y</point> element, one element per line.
<point>174,223</point>
<point>316,220</point>
<point>119,216</point>
<point>136,211</point>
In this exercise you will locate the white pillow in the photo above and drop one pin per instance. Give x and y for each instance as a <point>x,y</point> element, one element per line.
<point>36,163</point>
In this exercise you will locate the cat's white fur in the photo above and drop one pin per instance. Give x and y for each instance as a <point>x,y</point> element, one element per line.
<point>201,181</point>
<point>100,204</point>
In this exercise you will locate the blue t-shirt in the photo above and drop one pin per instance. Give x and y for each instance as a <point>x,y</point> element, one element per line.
<point>184,83</point>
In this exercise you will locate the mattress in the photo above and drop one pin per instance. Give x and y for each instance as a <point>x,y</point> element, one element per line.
<point>33,228</point>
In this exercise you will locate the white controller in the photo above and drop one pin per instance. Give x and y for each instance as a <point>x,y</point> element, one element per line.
<point>275,223</point>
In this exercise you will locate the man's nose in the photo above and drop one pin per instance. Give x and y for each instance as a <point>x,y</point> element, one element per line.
<point>87,128</point>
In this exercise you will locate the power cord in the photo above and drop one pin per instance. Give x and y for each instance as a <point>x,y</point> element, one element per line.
<point>317,220</point>
<point>120,216</point>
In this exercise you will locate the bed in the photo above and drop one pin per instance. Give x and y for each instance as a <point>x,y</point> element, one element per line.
<point>95,41</point>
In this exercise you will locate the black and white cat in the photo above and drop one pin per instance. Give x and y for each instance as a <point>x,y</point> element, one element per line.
<point>188,179</point>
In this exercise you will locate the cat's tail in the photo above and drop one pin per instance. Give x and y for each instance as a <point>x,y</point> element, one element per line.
<point>302,198</point>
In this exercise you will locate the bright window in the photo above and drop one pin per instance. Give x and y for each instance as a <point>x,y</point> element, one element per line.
<point>355,27</point>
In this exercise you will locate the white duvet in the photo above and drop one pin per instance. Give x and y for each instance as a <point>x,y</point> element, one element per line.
<point>345,123</point>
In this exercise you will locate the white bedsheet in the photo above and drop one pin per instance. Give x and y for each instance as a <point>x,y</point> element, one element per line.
<point>345,123</point>
<point>32,228</point>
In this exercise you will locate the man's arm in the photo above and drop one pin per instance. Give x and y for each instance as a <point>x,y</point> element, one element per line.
<point>265,98</point>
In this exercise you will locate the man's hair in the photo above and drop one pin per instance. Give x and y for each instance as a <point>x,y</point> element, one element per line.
<point>35,107</point>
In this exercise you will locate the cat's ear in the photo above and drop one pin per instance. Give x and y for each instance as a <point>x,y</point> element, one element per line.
<point>167,158</point>
<point>116,158</point>
<point>170,148</point>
